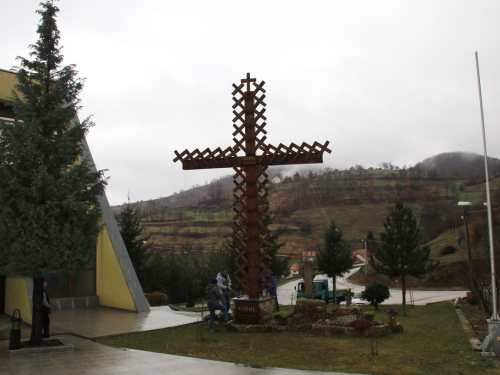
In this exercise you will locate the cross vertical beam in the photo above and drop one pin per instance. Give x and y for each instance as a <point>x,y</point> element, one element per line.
<point>250,232</point>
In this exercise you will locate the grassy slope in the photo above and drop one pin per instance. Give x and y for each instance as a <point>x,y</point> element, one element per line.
<point>433,342</point>
<point>208,225</point>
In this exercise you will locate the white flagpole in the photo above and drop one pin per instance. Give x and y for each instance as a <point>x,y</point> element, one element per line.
<point>494,316</point>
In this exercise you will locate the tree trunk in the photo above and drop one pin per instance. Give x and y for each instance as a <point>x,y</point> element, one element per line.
<point>334,286</point>
<point>37,323</point>
<point>403,289</point>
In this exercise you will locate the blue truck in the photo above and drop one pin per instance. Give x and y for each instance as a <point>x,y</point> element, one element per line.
<point>322,291</point>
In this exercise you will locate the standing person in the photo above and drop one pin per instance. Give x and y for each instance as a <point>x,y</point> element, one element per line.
<point>271,289</point>
<point>224,283</point>
<point>46,311</point>
<point>213,297</point>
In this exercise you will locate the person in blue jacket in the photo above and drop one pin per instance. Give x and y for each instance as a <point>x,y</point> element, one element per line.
<point>224,284</point>
<point>271,289</point>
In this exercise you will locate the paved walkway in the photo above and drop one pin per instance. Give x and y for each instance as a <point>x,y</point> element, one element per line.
<point>78,327</point>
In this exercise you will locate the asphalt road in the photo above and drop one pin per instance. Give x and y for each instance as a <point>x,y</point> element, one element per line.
<point>287,294</point>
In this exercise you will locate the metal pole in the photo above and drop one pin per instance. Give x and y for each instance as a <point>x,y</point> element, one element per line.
<point>469,256</point>
<point>494,316</point>
<point>366,257</point>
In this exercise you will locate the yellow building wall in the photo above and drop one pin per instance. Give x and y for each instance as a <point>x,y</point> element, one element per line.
<point>111,287</point>
<point>7,82</point>
<point>17,297</point>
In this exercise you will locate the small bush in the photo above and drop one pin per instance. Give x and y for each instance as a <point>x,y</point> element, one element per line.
<point>283,314</point>
<point>376,293</point>
<point>370,315</point>
<point>447,250</point>
<point>342,321</point>
<point>471,299</point>
<point>157,299</point>
<point>361,324</point>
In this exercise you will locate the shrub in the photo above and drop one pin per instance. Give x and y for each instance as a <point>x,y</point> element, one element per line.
<point>376,293</point>
<point>471,298</point>
<point>361,324</point>
<point>342,321</point>
<point>447,250</point>
<point>370,315</point>
<point>157,299</point>
<point>283,314</point>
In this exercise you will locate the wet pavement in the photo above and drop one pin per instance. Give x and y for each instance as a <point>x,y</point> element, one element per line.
<point>79,327</point>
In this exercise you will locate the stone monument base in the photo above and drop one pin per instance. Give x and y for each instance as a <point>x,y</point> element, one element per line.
<point>253,310</point>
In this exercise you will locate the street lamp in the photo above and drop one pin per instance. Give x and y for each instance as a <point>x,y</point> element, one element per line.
<point>464,217</point>
<point>365,240</point>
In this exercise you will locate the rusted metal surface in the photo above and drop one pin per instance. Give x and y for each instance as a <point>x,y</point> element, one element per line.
<point>250,232</point>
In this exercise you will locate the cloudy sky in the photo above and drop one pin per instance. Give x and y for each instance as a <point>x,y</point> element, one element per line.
<point>383,81</point>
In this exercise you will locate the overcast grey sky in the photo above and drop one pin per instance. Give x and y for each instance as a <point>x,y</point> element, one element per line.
<point>390,81</point>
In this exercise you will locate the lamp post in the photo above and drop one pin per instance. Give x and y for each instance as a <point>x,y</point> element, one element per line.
<point>366,255</point>
<point>465,215</point>
<point>365,240</point>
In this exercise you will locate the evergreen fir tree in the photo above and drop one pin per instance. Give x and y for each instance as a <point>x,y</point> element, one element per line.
<point>400,254</point>
<point>335,258</point>
<point>49,192</point>
<point>135,241</point>
<point>281,265</point>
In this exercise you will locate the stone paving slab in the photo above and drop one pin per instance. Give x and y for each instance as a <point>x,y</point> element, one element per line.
<point>37,350</point>
<point>89,357</point>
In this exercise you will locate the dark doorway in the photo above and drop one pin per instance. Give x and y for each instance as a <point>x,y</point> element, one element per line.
<point>2,294</point>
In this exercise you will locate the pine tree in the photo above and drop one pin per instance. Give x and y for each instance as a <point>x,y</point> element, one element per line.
<point>335,258</point>
<point>49,192</point>
<point>135,241</point>
<point>280,266</point>
<point>400,254</point>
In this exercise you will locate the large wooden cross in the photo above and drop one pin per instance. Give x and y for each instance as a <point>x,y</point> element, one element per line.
<point>250,232</point>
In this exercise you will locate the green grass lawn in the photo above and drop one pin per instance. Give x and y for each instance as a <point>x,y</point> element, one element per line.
<point>433,342</point>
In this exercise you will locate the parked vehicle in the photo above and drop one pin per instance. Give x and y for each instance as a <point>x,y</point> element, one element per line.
<point>321,291</point>
<point>356,299</point>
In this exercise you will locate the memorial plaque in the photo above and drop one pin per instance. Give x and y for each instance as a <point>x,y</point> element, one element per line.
<point>253,310</point>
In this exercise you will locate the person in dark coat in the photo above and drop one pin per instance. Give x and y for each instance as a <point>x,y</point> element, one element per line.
<point>213,302</point>
<point>46,311</point>
<point>271,289</point>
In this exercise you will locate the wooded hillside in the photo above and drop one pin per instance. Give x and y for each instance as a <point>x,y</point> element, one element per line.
<point>303,204</point>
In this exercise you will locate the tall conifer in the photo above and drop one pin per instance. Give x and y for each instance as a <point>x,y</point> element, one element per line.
<point>400,254</point>
<point>49,192</point>
<point>334,258</point>
<point>135,240</point>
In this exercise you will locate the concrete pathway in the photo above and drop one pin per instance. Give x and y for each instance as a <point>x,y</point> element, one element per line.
<point>78,327</point>
<point>288,295</point>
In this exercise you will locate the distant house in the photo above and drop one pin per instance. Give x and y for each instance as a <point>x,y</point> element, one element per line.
<point>294,269</point>
<point>276,180</point>
<point>359,257</point>
<point>309,256</point>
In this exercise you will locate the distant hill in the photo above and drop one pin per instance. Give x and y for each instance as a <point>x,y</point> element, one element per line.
<point>459,165</point>
<point>455,165</point>
<point>358,200</point>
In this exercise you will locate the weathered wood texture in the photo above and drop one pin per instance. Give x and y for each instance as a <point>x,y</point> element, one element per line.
<point>250,232</point>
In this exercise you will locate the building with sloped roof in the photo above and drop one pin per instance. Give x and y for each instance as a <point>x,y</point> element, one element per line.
<point>109,280</point>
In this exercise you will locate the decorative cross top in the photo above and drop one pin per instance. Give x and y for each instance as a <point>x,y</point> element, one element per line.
<point>250,231</point>
<point>308,272</point>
